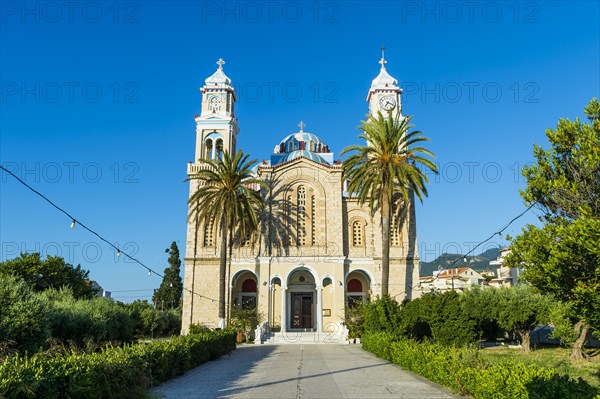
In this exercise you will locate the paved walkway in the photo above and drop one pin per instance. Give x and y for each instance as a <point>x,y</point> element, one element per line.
<point>299,371</point>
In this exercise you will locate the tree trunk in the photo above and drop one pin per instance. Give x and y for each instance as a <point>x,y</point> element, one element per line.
<point>525,341</point>
<point>577,352</point>
<point>385,243</point>
<point>222,269</point>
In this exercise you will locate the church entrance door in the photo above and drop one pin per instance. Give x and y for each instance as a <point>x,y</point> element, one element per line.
<point>302,310</point>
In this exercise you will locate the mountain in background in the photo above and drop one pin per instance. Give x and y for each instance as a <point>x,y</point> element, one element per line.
<point>479,263</point>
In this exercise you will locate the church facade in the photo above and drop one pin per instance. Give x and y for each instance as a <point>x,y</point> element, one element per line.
<point>318,251</point>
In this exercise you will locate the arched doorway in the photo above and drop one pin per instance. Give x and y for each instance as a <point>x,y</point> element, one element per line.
<point>358,285</point>
<point>244,290</point>
<point>301,300</point>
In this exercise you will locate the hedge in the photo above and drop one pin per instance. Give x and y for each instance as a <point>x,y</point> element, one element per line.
<point>463,370</point>
<point>113,372</point>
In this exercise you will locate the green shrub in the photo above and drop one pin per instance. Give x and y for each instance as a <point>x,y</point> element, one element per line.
<point>24,320</point>
<point>382,314</point>
<point>438,317</point>
<point>87,321</point>
<point>113,372</point>
<point>466,372</point>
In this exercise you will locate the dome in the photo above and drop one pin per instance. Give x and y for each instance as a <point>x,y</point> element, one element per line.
<point>304,154</point>
<point>219,76</point>
<point>312,142</point>
<point>302,145</point>
<point>383,80</point>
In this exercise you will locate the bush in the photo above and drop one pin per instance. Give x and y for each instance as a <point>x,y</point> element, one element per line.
<point>24,320</point>
<point>466,372</point>
<point>113,372</point>
<point>87,321</point>
<point>438,317</point>
<point>382,314</point>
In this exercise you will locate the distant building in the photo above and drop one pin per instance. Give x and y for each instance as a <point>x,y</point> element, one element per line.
<point>505,276</point>
<point>457,279</point>
<point>101,292</point>
<point>488,273</point>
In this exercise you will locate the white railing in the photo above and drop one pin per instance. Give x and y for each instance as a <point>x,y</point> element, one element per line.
<point>194,168</point>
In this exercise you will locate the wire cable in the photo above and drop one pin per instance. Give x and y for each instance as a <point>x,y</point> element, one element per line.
<point>76,221</point>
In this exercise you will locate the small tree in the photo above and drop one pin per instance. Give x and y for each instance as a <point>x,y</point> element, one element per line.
<point>52,272</point>
<point>521,309</point>
<point>354,319</point>
<point>245,320</point>
<point>562,258</point>
<point>168,295</point>
<point>481,305</point>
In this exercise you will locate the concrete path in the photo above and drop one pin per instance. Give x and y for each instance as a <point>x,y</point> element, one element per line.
<point>299,371</point>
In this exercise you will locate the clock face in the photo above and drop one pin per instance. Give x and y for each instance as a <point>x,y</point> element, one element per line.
<point>388,103</point>
<point>215,103</point>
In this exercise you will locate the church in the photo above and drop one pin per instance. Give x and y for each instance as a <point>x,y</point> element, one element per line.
<point>326,253</point>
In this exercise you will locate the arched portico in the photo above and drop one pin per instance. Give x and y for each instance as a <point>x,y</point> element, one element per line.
<point>301,300</point>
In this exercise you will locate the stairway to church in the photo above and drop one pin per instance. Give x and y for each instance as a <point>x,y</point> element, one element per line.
<point>305,337</point>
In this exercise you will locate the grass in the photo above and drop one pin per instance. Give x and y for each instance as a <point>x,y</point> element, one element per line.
<point>554,357</point>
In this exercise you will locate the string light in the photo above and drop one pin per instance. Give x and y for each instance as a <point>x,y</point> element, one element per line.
<point>73,221</point>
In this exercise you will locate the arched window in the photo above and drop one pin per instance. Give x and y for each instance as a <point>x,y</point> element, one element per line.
<point>312,147</point>
<point>301,229</point>
<point>248,295</point>
<point>208,146</point>
<point>354,285</point>
<point>354,293</point>
<point>290,146</point>
<point>249,285</point>
<point>219,148</point>
<point>357,234</point>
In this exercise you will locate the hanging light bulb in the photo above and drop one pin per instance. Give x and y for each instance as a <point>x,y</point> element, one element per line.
<point>465,259</point>
<point>118,252</point>
<point>149,273</point>
<point>73,224</point>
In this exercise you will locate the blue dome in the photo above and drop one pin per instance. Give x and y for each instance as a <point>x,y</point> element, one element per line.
<point>306,154</point>
<point>301,141</point>
<point>302,145</point>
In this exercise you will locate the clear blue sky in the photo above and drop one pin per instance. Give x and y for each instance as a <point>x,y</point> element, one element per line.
<point>98,102</point>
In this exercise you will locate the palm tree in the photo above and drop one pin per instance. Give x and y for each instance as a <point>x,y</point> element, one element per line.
<point>227,199</point>
<point>386,170</point>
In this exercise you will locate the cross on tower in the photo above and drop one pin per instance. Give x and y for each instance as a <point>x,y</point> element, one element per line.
<point>383,61</point>
<point>301,126</point>
<point>220,63</point>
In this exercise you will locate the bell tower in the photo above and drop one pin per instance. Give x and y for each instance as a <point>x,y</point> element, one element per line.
<point>384,94</point>
<point>216,126</point>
